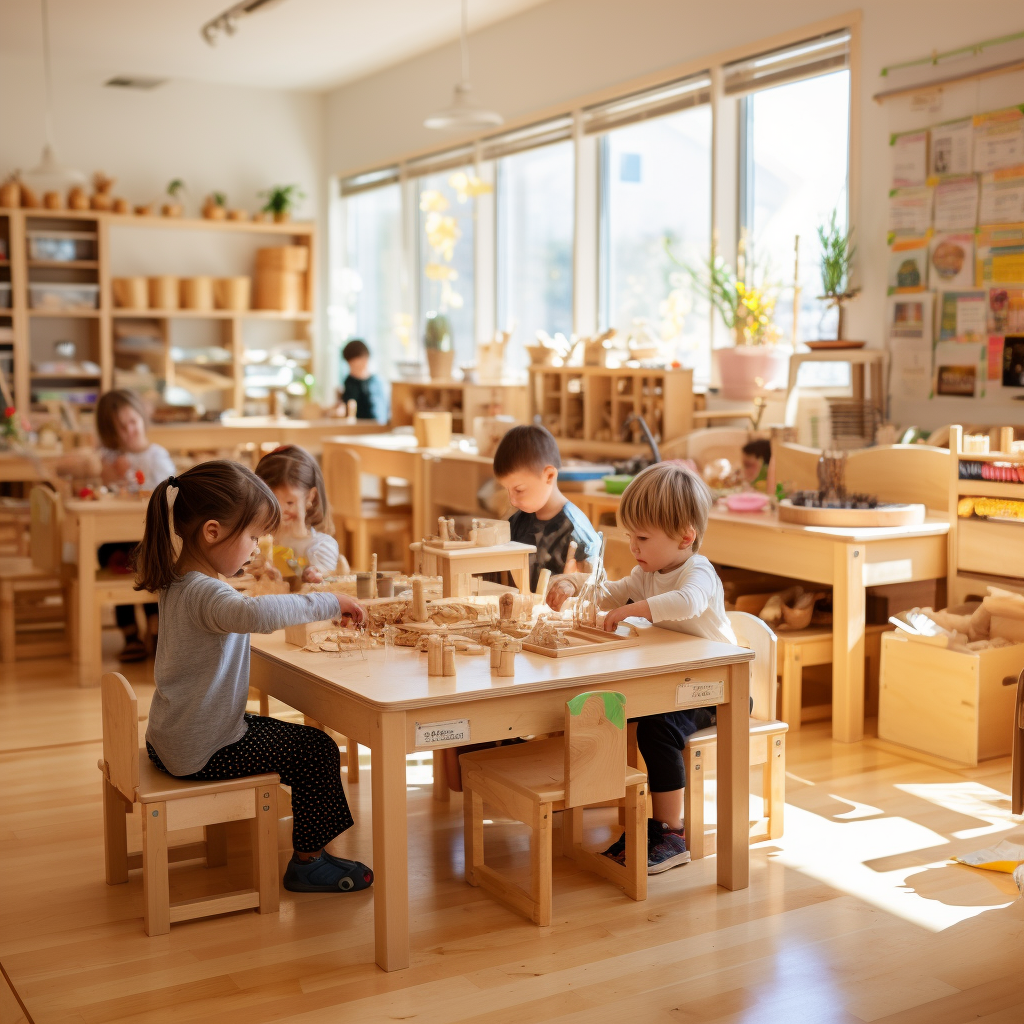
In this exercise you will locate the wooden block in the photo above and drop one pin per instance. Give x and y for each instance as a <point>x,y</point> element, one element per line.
<point>419,602</point>
<point>543,579</point>
<point>447,658</point>
<point>299,635</point>
<point>507,663</point>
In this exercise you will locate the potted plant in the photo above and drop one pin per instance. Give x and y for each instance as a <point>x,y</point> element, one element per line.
<point>281,200</point>
<point>216,206</point>
<point>836,256</point>
<point>437,340</point>
<point>175,189</point>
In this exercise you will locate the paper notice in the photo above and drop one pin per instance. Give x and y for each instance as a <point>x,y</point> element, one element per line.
<point>910,318</point>
<point>995,357</point>
<point>911,373</point>
<point>909,159</point>
<point>963,316</point>
<point>908,265</point>
<point>961,369</point>
<point>1002,196</point>
<point>952,261</point>
<point>951,147</point>
<point>910,210</point>
<point>956,204</point>
<point>1006,311</point>
<point>998,139</point>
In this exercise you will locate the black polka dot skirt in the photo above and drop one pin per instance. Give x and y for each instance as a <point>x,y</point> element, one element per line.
<point>305,758</point>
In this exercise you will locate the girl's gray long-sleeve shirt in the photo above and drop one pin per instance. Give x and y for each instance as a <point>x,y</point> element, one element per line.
<point>202,663</point>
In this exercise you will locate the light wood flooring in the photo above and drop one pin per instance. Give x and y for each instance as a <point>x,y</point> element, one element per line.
<point>855,915</point>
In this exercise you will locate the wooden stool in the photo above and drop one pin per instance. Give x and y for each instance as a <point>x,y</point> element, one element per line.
<point>804,648</point>
<point>15,516</point>
<point>530,781</point>
<point>170,804</point>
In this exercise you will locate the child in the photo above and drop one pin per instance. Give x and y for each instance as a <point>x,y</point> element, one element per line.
<point>756,456</point>
<point>526,464</point>
<point>665,509</point>
<point>361,385</point>
<point>295,478</point>
<point>204,523</point>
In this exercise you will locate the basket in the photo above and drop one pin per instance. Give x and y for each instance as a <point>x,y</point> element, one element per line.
<point>232,292</point>
<point>163,292</point>
<point>197,292</point>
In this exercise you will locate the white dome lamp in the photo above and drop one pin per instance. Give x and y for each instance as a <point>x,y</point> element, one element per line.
<point>49,175</point>
<point>464,113</point>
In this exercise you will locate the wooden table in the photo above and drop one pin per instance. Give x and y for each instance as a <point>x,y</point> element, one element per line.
<point>847,559</point>
<point>382,707</point>
<point>15,468</point>
<point>226,434</point>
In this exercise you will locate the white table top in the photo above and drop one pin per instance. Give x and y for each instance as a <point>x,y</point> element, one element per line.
<point>933,526</point>
<point>396,679</point>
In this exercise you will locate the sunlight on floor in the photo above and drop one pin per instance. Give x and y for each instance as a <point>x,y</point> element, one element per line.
<point>968,798</point>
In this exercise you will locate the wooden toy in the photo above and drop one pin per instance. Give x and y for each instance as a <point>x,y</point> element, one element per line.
<point>507,658</point>
<point>456,566</point>
<point>418,613</point>
<point>543,580</point>
<point>574,640</point>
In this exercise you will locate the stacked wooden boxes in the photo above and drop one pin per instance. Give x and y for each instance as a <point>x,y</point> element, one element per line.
<point>281,278</point>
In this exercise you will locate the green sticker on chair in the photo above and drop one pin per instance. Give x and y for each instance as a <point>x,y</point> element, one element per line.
<point>614,705</point>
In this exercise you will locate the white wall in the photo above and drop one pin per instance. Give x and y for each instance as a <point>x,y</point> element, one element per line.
<point>569,48</point>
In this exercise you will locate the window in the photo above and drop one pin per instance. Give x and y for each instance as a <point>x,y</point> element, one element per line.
<point>535,239</point>
<point>656,214</point>
<point>368,287</point>
<point>446,255</point>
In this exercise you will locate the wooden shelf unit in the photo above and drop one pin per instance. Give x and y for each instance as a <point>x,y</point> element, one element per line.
<point>464,400</point>
<point>983,553</point>
<point>99,330</point>
<point>592,403</point>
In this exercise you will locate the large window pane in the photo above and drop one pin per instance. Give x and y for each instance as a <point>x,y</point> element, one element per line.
<point>368,288</point>
<point>656,195</point>
<point>446,257</point>
<point>796,169</point>
<point>535,237</point>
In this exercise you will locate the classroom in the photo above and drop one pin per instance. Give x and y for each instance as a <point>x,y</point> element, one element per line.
<point>511,510</point>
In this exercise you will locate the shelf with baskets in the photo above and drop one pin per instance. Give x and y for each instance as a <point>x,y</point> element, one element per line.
<point>463,399</point>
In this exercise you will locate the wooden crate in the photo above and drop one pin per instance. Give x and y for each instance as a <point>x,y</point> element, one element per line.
<point>949,704</point>
<point>990,547</point>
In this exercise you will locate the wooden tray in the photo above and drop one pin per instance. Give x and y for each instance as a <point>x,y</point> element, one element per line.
<point>825,346</point>
<point>883,515</point>
<point>586,640</point>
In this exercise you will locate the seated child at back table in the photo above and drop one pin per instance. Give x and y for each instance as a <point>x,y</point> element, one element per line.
<point>362,386</point>
<point>526,464</point>
<point>304,537</point>
<point>665,509</point>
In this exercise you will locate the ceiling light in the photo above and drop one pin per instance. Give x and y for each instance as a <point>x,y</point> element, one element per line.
<point>464,112</point>
<point>227,21</point>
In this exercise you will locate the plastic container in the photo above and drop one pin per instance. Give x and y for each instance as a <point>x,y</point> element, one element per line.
<point>5,294</point>
<point>61,246</point>
<point>616,483</point>
<point>50,295</point>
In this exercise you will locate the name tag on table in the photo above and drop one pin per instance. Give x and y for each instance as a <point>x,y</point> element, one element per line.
<point>442,734</point>
<point>699,695</point>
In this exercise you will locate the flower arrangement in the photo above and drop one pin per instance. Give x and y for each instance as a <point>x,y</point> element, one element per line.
<point>12,426</point>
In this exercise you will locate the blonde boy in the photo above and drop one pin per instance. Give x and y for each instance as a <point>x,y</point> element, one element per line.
<point>665,509</point>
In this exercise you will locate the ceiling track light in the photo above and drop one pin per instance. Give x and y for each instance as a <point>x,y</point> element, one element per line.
<point>227,21</point>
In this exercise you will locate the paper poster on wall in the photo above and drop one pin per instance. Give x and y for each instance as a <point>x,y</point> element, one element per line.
<point>1006,311</point>
<point>961,369</point>
<point>1002,196</point>
<point>909,158</point>
<point>952,261</point>
<point>911,373</point>
<point>1000,255</point>
<point>956,203</point>
<point>998,139</point>
<point>963,315</point>
<point>951,147</point>
<point>908,265</point>
<point>995,357</point>
<point>910,318</point>
<point>1013,362</point>
<point>910,210</point>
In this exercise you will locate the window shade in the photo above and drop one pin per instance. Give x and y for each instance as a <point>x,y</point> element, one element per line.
<point>365,182</point>
<point>805,59</point>
<point>434,163</point>
<point>543,134</point>
<point>686,92</point>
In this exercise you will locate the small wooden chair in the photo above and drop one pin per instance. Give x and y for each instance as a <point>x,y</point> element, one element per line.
<point>767,745</point>
<point>170,804</point>
<point>31,626</point>
<point>364,524</point>
<point>530,781</point>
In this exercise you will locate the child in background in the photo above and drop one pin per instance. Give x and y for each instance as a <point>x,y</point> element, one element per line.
<point>526,464</point>
<point>665,509</point>
<point>756,457</point>
<point>305,534</point>
<point>201,525</point>
<point>362,385</point>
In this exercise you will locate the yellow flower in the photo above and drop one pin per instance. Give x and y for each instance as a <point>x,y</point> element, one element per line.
<point>468,186</point>
<point>432,201</point>
<point>442,234</point>
<point>440,272</point>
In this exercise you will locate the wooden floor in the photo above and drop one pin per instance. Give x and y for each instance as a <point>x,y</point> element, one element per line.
<point>855,915</point>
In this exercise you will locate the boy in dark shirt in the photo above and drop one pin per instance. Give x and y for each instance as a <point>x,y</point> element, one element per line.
<point>361,385</point>
<point>526,464</point>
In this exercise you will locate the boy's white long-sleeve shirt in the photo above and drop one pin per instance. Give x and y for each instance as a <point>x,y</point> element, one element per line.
<point>689,599</point>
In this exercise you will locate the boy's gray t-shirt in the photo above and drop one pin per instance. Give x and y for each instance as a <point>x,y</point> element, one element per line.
<point>202,663</point>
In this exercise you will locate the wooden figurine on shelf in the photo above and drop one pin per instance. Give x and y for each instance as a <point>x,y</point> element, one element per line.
<point>101,197</point>
<point>53,201</point>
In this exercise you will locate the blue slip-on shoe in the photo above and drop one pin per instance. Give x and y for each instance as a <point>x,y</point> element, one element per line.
<point>327,874</point>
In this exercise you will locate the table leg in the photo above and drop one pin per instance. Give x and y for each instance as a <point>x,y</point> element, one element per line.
<point>88,627</point>
<point>848,643</point>
<point>390,844</point>
<point>734,781</point>
<point>521,576</point>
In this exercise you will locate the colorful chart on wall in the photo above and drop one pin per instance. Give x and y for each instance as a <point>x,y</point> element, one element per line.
<point>908,265</point>
<point>952,261</point>
<point>910,210</point>
<point>1002,196</point>
<point>963,315</point>
<point>1006,311</point>
<point>910,317</point>
<point>956,203</point>
<point>1000,254</point>
<point>999,139</point>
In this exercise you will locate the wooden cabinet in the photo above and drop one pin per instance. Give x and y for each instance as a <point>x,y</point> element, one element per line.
<point>462,399</point>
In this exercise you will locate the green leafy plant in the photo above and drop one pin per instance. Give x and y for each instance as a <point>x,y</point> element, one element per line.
<point>282,199</point>
<point>437,336</point>
<point>175,188</point>
<point>837,252</point>
<point>219,199</point>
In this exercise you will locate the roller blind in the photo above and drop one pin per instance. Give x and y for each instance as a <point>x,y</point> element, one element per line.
<point>372,179</point>
<point>434,163</point>
<point>542,134</point>
<point>664,99</point>
<point>806,59</point>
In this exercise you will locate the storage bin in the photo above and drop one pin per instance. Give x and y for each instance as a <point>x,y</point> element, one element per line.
<point>293,258</point>
<point>280,289</point>
<point>989,547</point>
<point>61,246</point>
<point>163,292</point>
<point>197,293</point>
<point>5,294</point>
<point>232,293</point>
<point>51,295</point>
<point>130,292</point>
<point>956,705</point>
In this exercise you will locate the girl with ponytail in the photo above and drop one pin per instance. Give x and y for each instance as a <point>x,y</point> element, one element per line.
<point>201,526</point>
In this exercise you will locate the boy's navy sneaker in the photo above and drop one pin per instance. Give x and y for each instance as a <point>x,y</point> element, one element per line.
<point>617,851</point>
<point>327,874</point>
<point>666,847</point>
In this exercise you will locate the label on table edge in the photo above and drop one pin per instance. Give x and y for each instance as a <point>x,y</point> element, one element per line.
<point>697,695</point>
<point>437,734</point>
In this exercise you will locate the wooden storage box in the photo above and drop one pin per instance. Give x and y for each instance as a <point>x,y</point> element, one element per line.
<point>197,293</point>
<point>293,258</point>
<point>130,292</point>
<point>950,704</point>
<point>280,289</point>
<point>432,429</point>
<point>232,293</point>
<point>163,292</point>
<point>990,547</point>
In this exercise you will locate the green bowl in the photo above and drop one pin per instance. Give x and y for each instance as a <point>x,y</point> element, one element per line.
<point>616,484</point>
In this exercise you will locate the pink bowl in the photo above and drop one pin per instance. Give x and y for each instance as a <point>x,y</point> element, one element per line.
<point>747,501</point>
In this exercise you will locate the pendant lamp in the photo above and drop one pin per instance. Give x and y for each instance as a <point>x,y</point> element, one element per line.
<point>464,113</point>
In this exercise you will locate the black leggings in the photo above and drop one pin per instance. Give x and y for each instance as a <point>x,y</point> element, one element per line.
<point>305,758</point>
<point>661,739</point>
<point>120,555</point>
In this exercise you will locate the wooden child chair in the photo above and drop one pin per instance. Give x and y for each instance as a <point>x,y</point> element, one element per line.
<point>170,804</point>
<point>530,781</point>
<point>1017,760</point>
<point>767,745</point>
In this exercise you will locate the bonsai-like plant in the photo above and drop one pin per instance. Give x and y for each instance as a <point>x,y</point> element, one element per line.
<point>437,335</point>
<point>836,257</point>
<point>281,200</point>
